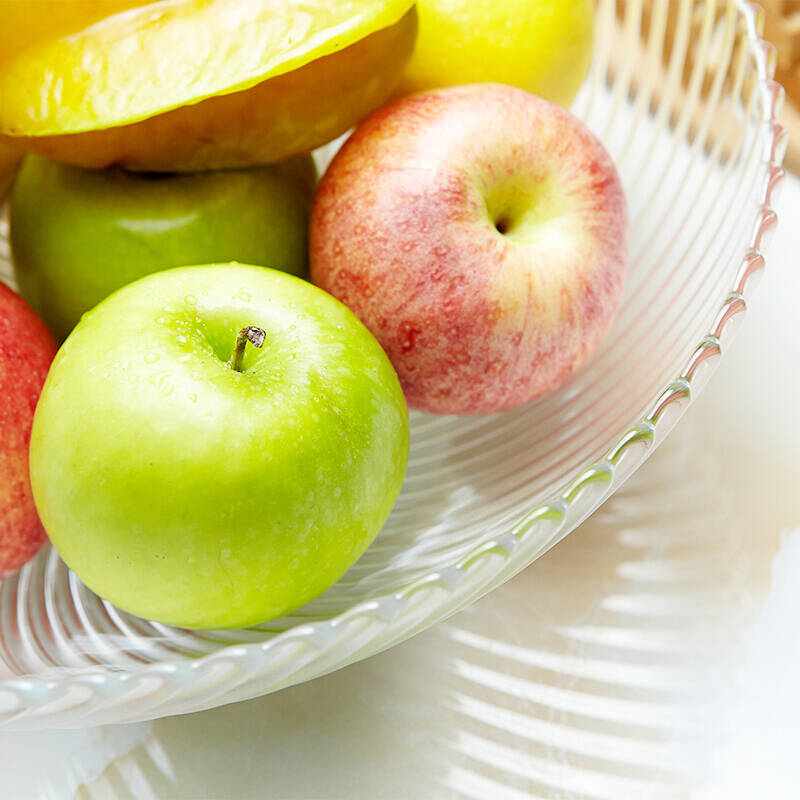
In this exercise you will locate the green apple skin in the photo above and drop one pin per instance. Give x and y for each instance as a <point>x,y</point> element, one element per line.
<point>77,235</point>
<point>188,493</point>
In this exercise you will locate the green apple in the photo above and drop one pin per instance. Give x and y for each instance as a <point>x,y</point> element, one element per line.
<point>10,157</point>
<point>190,486</point>
<point>78,235</point>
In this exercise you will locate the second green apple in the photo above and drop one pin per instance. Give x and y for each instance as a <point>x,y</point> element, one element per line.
<point>78,235</point>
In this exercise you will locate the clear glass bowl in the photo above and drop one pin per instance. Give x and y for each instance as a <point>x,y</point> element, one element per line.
<point>682,95</point>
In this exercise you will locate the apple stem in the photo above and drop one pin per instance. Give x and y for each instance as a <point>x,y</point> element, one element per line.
<point>255,336</point>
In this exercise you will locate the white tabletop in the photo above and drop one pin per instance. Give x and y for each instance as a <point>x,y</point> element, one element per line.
<point>654,653</point>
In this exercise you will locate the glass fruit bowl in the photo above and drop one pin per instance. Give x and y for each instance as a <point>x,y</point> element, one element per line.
<point>682,95</point>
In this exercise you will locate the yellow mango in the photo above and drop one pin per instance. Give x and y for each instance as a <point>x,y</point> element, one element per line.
<point>205,84</point>
<point>542,46</point>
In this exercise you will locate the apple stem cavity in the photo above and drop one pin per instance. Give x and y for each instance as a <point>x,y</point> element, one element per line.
<point>502,225</point>
<point>252,334</point>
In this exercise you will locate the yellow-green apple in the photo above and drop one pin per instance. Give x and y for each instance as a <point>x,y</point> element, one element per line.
<point>77,235</point>
<point>542,46</point>
<point>26,350</point>
<point>194,482</point>
<point>480,233</point>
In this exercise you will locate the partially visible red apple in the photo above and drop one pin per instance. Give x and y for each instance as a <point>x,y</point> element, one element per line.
<point>480,233</point>
<point>26,350</point>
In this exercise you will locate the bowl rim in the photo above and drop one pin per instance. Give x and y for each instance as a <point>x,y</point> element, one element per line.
<point>31,693</point>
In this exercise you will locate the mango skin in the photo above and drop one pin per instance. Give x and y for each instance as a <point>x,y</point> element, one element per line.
<point>542,46</point>
<point>218,126</point>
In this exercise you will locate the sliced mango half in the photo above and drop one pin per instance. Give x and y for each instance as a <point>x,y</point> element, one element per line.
<point>146,61</point>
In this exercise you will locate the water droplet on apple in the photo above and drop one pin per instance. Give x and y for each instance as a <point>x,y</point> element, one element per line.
<point>151,358</point>
<point>406,247</point>
<point>180,339</point>
<point>162,320</point>
<point>242,295</point>
<point>126,364</point>
<point>190,300</point>
<point>193,397</point>
<point>161,380</point>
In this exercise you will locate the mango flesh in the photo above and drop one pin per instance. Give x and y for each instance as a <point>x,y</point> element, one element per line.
<point>22,29</point>
<point>187,85</point>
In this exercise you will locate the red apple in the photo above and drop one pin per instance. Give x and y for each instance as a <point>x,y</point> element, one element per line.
<point>26,350</point>
<point>480,233</point>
